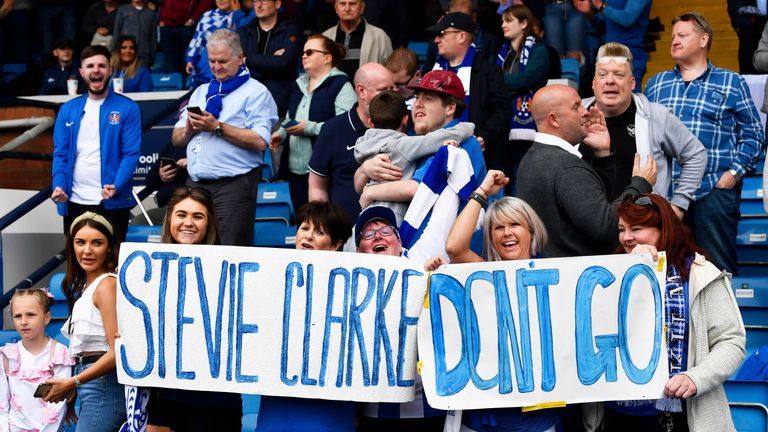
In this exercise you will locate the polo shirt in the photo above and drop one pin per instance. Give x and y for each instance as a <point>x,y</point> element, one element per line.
<point>211,157</point>
<point>334,157</point>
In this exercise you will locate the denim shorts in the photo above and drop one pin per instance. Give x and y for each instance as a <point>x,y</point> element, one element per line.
<point>102,403</point>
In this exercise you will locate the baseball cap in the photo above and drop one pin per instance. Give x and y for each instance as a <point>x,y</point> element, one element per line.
<point>373,213</point>
<point>64,43</point>
<point>457,20</point>
<point>441,81</point>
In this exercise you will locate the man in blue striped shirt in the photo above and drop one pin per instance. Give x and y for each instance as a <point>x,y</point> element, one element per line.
<point>716,106</point>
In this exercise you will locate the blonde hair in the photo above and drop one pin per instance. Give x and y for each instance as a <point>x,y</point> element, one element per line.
<point>614,49</point>
<point>511,209</point>
<point>41,294</point>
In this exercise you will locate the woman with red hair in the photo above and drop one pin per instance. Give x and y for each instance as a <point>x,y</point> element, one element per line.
<point>704,332</point>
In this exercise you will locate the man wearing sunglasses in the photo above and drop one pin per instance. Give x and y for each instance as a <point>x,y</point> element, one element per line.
<point>715,104</point>
<point>639,126</point>
<point>565,191</point>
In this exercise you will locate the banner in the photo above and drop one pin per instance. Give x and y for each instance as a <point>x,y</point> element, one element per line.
<point>281,322</point>
<point>521,333</point>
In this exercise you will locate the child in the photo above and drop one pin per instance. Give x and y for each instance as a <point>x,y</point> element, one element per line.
<point>29,363</point>
<point>389,117</point>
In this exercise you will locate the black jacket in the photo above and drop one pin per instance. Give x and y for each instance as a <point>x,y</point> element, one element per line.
<point>490,108</point>
<point>276,72</point>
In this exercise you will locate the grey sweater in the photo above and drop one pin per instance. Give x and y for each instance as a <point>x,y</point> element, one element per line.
<point>569,196</point>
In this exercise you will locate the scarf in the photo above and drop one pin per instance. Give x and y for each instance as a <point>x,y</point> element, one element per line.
<point>218,89</point>
<point>676,322</point>
<point>521,104</point>
<point>464,71</point>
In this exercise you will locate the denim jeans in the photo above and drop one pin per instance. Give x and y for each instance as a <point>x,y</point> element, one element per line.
<point>564,27</point>
<point>715,221</point>
<point>102,403</point>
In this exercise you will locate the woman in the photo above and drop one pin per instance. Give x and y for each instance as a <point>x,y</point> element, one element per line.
<point>321,93</point>
<point>705,333</point>
<point>190,219</point>
<point>90,288</point>
<point>322,226</point>
<point>525,64</point>
<point>511,231</point>
<point>125,65</point>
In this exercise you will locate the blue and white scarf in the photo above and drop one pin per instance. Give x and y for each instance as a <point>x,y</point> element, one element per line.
<point>464,71</point>
<point>219,89</point>
<point>521,104</point>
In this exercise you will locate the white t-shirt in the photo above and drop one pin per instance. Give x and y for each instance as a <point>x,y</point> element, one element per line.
<point>86,176</point>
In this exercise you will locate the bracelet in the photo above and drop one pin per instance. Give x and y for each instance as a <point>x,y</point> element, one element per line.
<point>479,198</point>
<point>77,381</point>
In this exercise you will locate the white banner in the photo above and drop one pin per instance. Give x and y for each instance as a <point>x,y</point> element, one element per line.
<point>279,322</point>
<point>507,334</point>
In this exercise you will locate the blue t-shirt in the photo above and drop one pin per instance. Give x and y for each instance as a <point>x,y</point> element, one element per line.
<point>334,157</point>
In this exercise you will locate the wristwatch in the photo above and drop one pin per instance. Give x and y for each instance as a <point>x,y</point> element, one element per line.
<point>77,381</point>
<point>219,130</point>
<point>479,198</point>
<point>735,174</point>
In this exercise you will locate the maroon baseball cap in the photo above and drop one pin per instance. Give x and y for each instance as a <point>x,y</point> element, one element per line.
<point>441,81</point>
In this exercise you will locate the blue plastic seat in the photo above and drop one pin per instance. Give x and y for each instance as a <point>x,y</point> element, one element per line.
<point>420,48</point>
<point>59,309</point>
<point>274,202</point>
<point>752,296</point>
<point>274,233</point>
<point>749,417</point>
<point>751,241</point>
<point>8,336</point>
<point>13,70</point>
<point>570,70</point>
<point>166,81</point>
<point>251,405</point>
<point>144,233</point>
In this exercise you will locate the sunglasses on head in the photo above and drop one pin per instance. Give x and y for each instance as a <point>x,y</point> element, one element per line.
<point>619,60</point>
<point>643,201</point>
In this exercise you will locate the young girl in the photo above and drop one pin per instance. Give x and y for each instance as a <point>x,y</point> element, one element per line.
<point>29,363</point>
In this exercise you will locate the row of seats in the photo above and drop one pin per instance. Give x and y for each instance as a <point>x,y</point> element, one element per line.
<point>160,81</point>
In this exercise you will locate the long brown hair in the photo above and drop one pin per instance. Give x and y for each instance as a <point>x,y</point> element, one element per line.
<point>674,237</point>
<point>203,197</point>
<point>75,279</point>
<point>131,69</point>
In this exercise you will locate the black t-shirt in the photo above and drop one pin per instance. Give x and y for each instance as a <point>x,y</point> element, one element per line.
<point>263,39</point>
<point>623,145</point>
<point>353,42</point>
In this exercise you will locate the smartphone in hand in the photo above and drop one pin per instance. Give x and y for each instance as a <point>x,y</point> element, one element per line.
<point>289,123</point>
<point>195,109</point>
<point>42,390</point>
<point>167,161</point>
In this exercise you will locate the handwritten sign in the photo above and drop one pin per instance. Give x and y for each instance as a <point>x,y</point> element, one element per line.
<point>521,333</point>
<point>270,321</point>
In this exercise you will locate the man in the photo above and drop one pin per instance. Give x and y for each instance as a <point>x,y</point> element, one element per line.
<point>486,96</point>
<point>332,165</point>
<point>716,106</point>
<point>55,77</point>
<point>226,128</point>
<point>564,190</point>
<point>404,65</point>
<point>271,45</point>
<point>365,42</point>
<point>96,146</point>
<point>177,26</point>
<point>639,126</point>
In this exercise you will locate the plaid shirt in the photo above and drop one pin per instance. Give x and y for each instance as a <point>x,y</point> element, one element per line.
<point>718,109</point>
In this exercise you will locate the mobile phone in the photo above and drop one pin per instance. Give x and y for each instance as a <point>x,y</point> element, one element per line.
<point>195,109</point>
<point>42,390</point>
<point>167,161</point>
<point>289,123</point>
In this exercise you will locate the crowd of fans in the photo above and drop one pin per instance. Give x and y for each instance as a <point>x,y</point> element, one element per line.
<point>470,157</point>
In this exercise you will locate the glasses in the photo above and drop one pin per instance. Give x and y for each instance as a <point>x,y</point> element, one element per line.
<point>691,17</point>
<point>263,1</point>
<point>403,85</point>
<point>616,59</point>
<point>309,51</point>
<point>385,231</point>
<point>441,34</point>
<point>643,201</point>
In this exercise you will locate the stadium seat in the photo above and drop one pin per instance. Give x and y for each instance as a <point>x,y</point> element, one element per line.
<point>273,201</point>
<point>420,48</point>
<point>8,336</point>
<point>752,297</point>
<point>166,81</point>
<point>570,69</point>
<point>59,310</point>
<point>266,172</point>
<point>12,70</point>
<point>751,241</point>
<point>274,233</point>
<point>144,233</point>
<point>752,198</point>
<point>747,391</point>
<point>250,411</point>
<point>757,336</point>
<point>749,417</point>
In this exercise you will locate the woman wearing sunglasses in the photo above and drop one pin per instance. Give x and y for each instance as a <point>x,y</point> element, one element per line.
<point>321,93</point>
<point>321,226</point>
<point>705,334</point>
<point>511,231</point>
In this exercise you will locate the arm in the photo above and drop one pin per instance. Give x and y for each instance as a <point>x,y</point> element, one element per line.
<point>396,191</point>
<point>726,336</point>
<point>750,132</point>
<point>130,148</point>
<point>628,16</point>
<point>535,74</point>
<point>457,243</point>
<point>105,300</point>
<point>318,187</point>
<point>378,168</point>
<point>281,59</point>
<point>760,58</point>
<point>5,396</point>
<point>687,150</point>
<point>196,44</point>
<point>413,148</point>
<point>61,149</point>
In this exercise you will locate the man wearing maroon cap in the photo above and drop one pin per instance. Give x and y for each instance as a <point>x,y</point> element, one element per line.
<point>439,103</point>
<point>485,94</point>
